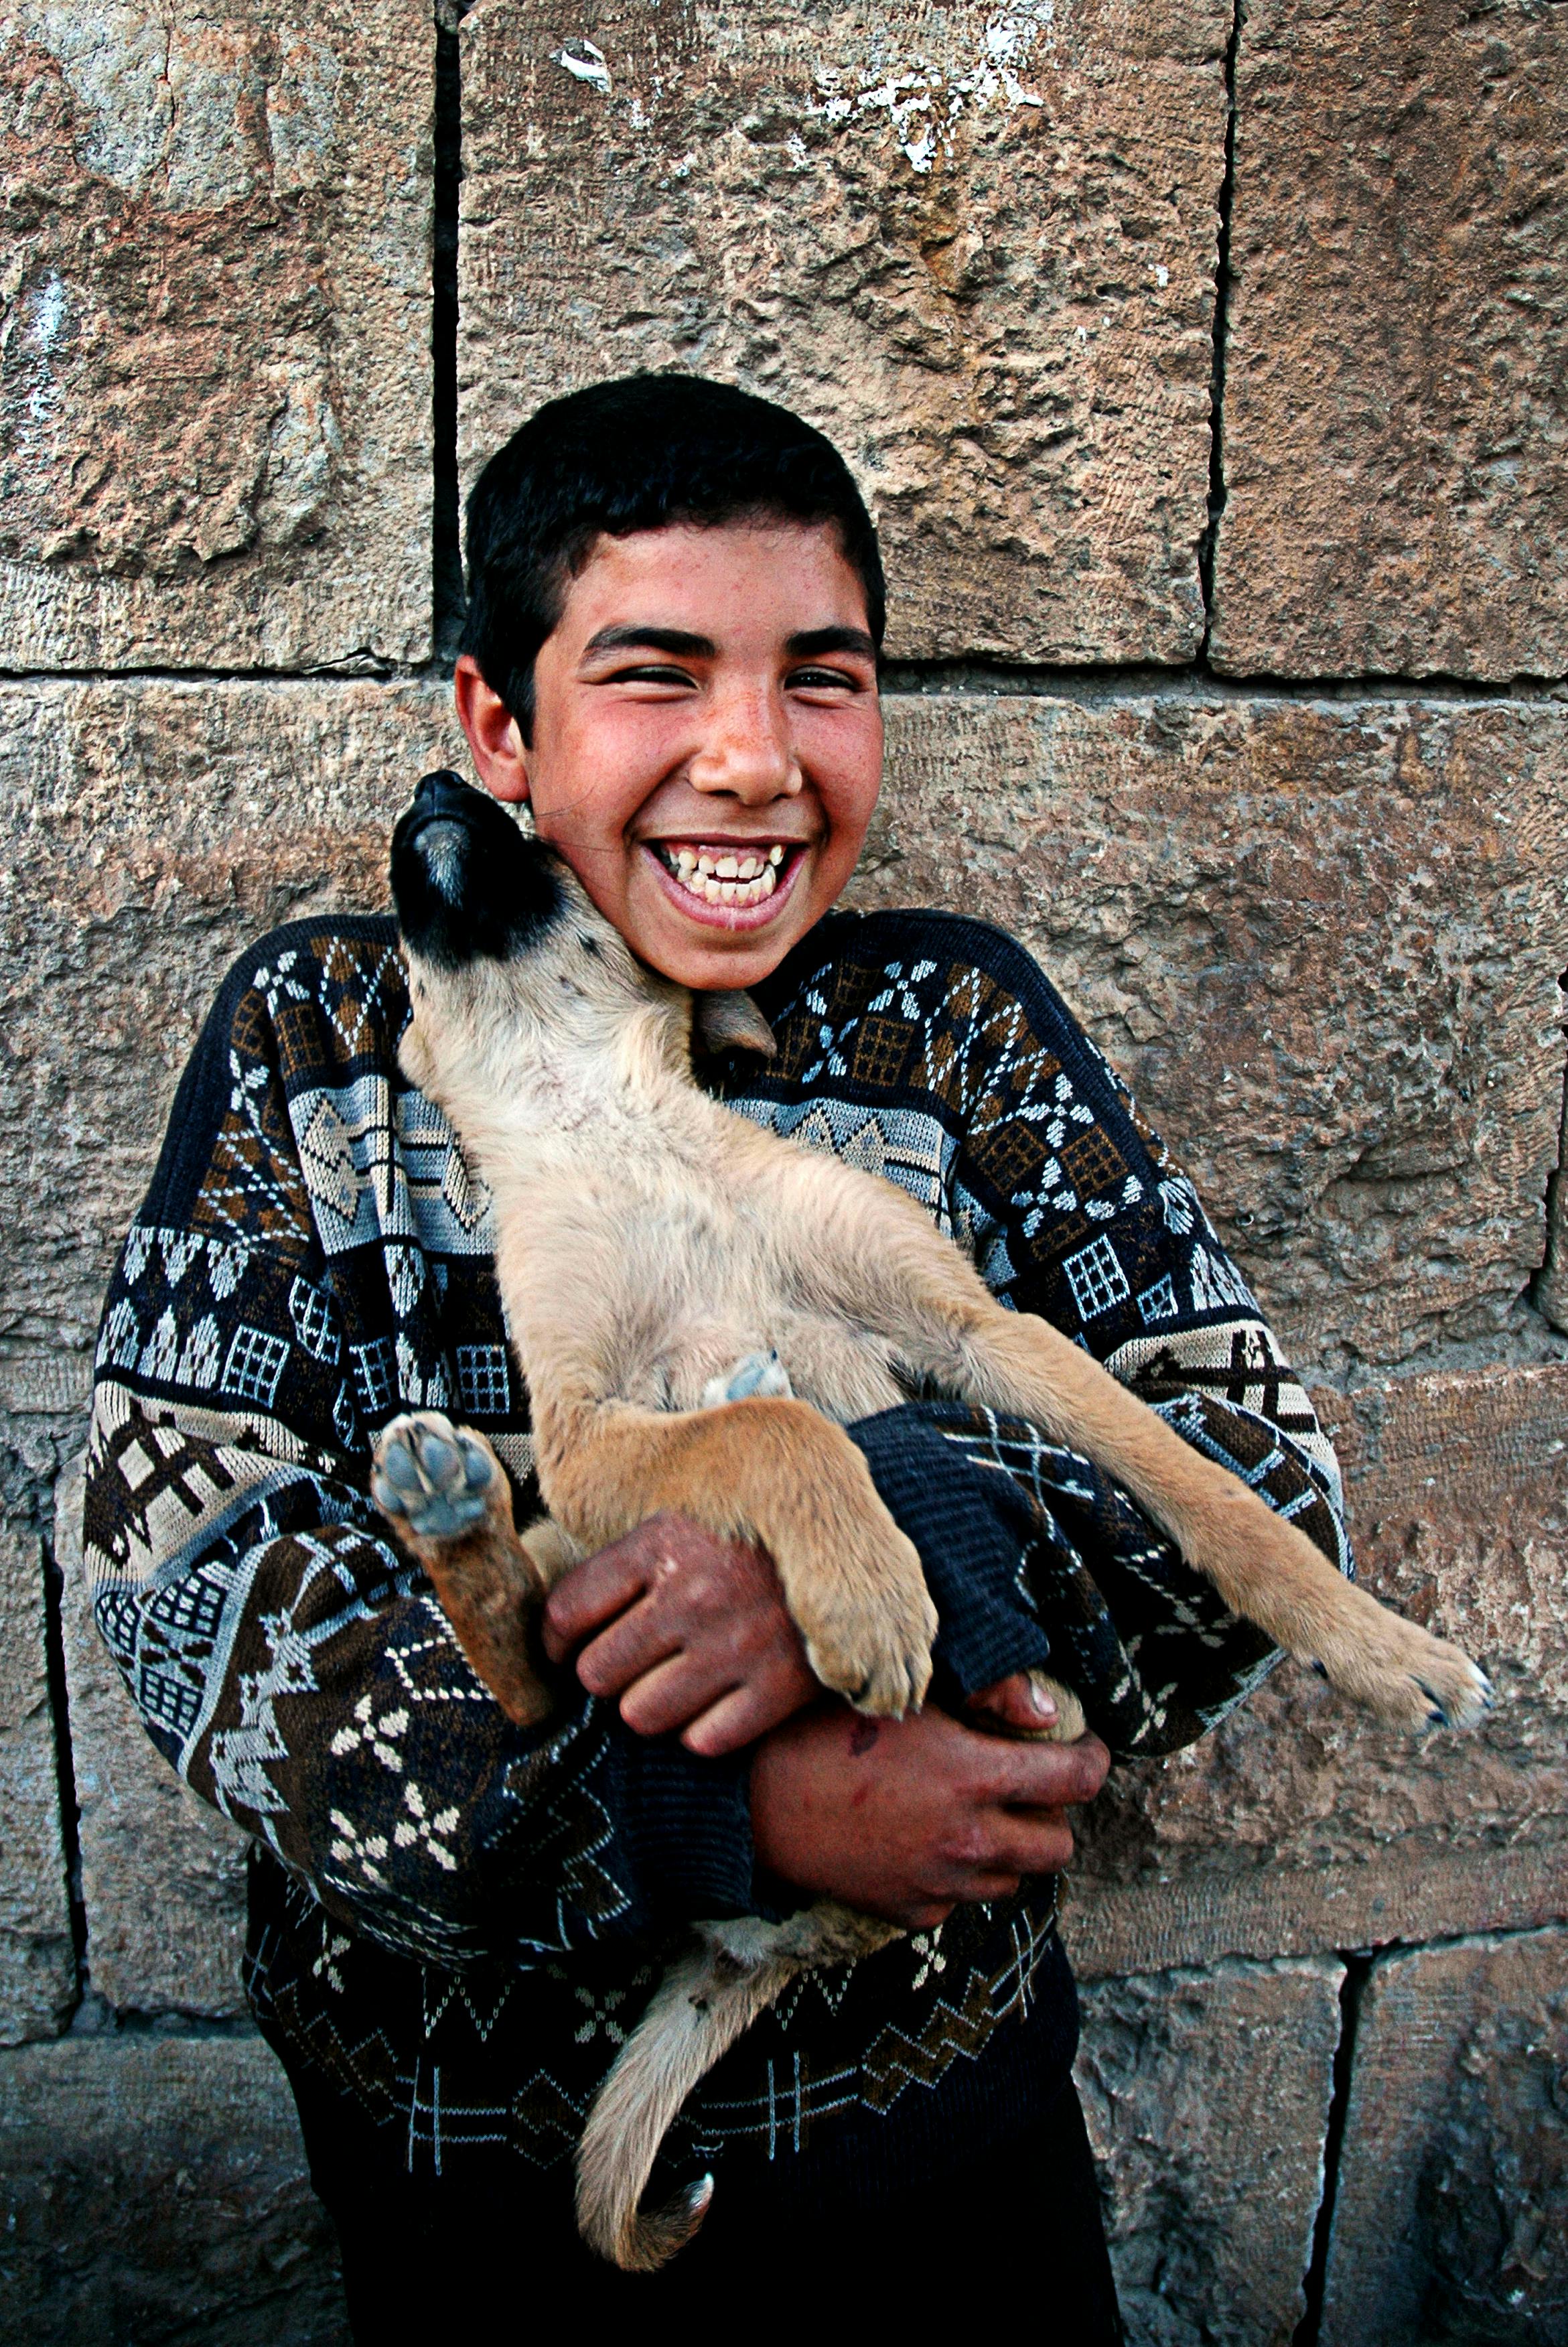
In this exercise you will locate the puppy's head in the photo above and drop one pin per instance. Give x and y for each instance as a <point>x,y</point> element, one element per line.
<point>468,885</point>
<point>505,950</point>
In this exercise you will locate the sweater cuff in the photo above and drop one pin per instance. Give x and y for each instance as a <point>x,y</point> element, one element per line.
<point>974,1529</point>
<point>685,1825</point>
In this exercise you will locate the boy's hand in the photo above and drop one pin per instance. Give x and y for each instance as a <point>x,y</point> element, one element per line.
<point>688,1630</point>
<point>905,1819</point>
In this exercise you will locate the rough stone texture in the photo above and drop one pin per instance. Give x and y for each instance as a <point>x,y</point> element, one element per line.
<point>976,246</point>
<point>215,353</point>
<point>155,2188</point>
<point>1298,1825</point>
<point>163,1875</point>
<point>37,1964</point>
<point>1396,378</point>
<point>1321,938</point>
<point>1209,2213</point>
<point>147,833</point>
<point>1450,2221</point>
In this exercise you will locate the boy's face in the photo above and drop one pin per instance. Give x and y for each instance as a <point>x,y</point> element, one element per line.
<point>707,740</point>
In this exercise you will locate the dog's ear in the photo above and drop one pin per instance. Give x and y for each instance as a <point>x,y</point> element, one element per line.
<point>732,1023</point>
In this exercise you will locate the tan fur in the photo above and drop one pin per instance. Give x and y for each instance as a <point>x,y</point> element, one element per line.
<point>647,1240</point>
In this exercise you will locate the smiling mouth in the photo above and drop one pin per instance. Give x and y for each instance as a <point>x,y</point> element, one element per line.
<point>740,876</point>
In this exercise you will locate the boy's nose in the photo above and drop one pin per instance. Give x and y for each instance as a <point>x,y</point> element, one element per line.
<point>748,753</point>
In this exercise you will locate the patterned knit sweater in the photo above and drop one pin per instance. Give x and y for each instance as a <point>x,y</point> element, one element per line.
<point>454,1923</point>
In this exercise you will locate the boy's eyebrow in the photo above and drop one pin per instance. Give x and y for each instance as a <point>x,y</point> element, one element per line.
<point>654,640</point>
<point>812,642</point>
<point>809,643</point>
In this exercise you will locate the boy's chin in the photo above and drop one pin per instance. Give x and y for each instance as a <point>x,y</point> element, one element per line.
<point>707,965</point>
<point>708,957</point>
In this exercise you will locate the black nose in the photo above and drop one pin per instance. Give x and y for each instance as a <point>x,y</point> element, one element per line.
<point>464,879</point>
<point>444,794</point>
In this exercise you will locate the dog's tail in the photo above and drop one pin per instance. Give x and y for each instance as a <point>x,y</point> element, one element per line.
<point>705,2002</point>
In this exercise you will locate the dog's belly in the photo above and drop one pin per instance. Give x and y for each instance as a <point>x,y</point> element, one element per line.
<point>838,1369</point>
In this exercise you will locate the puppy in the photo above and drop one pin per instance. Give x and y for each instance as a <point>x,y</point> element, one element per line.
<point>698,1307</point>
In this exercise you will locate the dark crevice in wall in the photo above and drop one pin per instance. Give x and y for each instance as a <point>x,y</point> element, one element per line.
<point>1358,1963</point>
<point>446,583</point>
<point>65,1763</point>
<point>1082,680</point>
<point>1216,492</point>
<point>96,2017</point>
<point>1548,1292</point>
<point>1111,680</point>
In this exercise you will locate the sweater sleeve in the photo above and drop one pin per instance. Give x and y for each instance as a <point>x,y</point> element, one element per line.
<point>1075,1210</point>
<point>278,1300</point>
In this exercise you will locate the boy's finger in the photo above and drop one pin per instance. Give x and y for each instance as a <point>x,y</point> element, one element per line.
<point>637,1642</point>
<point>1042,1776</point>
<point>746,1712</point>
<point>678,1689</point>
<point>1015,1702</point>
<point>1031,1841</point>
<point>593,1592</point>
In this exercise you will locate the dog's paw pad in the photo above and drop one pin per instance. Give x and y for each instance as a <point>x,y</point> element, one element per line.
<point>432,1476</point>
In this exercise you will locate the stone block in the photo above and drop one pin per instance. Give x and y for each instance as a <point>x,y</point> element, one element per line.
<point>155,2187</point>
<point>37,1961</point>
<point>163,1875</point>
<point>1301,1825</point>
<point>1210,2215</point>
<point>1448,2220</point>
<point>1322,940</point>
<point>216,447</point>
<point>1395,365</point>
<point>147,833</point>
<point>977,248</point>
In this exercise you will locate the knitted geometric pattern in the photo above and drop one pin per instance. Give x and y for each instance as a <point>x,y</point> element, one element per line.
<point>457,1922</point>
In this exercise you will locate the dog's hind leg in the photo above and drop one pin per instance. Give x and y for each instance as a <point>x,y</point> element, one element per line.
<point>445,1494</point>
<point>892,1271</point>
<point>706,2000</point>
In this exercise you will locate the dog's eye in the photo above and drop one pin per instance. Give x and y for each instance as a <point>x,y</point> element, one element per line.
<point>589,945</point>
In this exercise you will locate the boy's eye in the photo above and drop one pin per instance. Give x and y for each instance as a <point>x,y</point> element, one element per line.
<point>812,680</point>
<point>651,673</point>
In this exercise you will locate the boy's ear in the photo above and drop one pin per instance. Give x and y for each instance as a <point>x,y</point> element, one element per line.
<point>493,734</point>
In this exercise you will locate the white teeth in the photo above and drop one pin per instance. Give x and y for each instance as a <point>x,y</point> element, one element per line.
<point>723,875</point>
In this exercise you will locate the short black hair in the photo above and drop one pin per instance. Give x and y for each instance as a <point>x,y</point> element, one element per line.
<point>641,453</point>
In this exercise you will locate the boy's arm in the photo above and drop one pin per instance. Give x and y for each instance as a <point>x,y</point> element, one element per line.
<point>287,1660</point>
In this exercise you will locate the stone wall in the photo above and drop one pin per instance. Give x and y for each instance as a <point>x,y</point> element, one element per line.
<point>1206,369</point>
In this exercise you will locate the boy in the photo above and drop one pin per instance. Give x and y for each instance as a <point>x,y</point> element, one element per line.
<point>675,609</point>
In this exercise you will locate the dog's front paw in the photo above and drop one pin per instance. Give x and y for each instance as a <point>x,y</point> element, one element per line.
<point>432,1480</point>
<point>1407,1677</point>
<point>869,1626</point>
